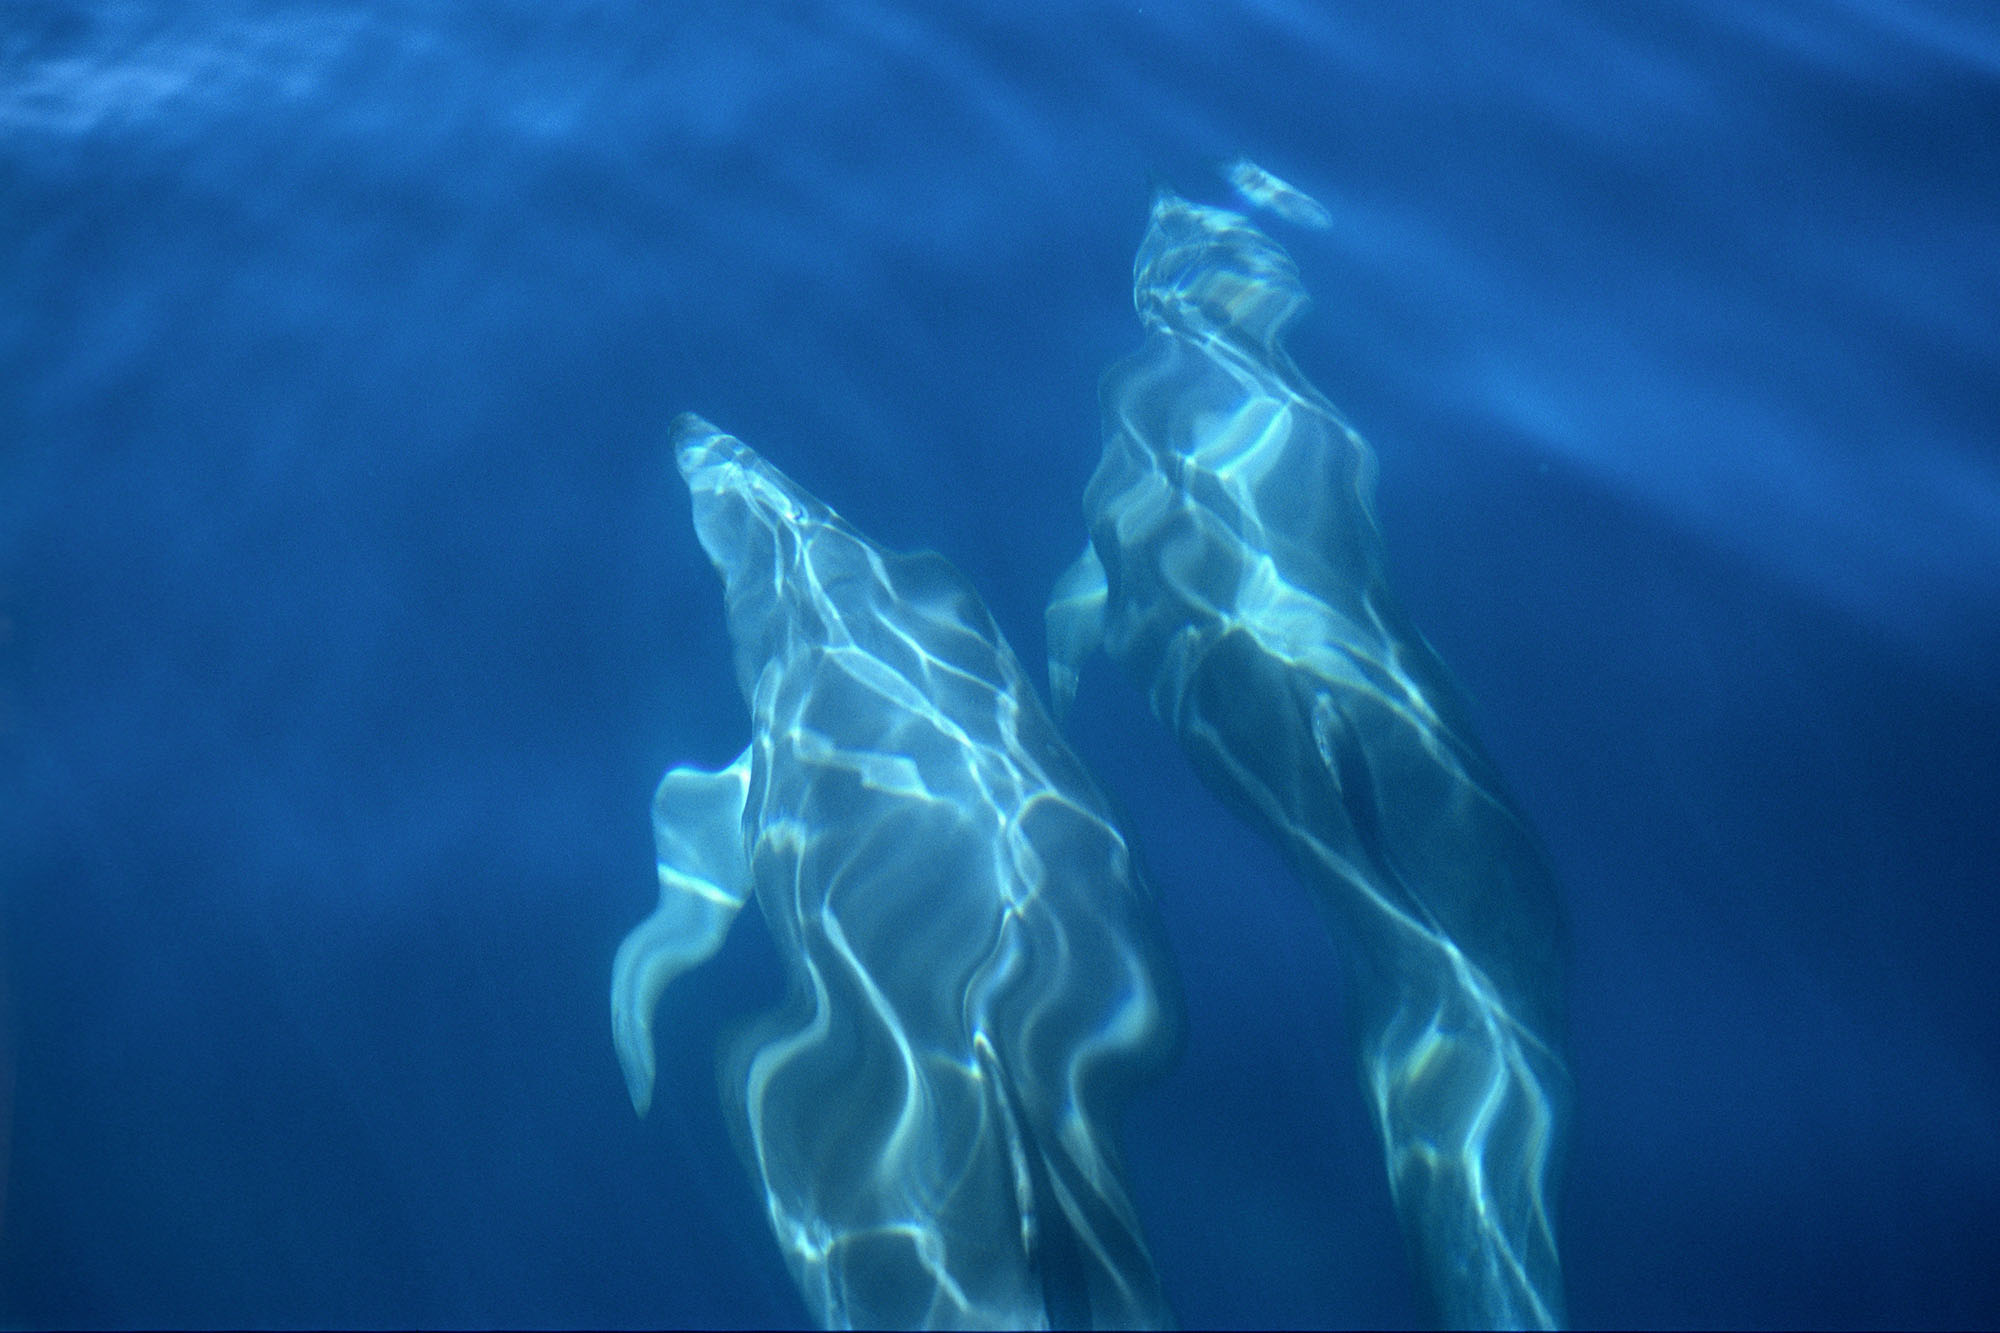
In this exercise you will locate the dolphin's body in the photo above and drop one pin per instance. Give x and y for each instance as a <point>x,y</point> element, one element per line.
<point>1235,569</point>
<point>976,970</point>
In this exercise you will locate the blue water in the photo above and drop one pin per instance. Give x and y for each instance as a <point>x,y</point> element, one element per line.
<point>349,609</point>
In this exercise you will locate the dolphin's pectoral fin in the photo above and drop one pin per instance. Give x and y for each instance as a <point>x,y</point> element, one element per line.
<point>704,880</point>
<point>1074,624</point>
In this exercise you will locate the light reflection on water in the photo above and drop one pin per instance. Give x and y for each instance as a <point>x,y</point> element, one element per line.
<point>347,615</point>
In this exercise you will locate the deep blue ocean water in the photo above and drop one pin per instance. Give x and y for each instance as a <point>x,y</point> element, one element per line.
<point>349,609</point>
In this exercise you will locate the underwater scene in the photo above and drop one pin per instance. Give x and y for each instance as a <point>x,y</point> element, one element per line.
<point>831,663</point>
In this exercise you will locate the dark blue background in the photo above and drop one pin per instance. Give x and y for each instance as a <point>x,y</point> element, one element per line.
<point>349,607</point>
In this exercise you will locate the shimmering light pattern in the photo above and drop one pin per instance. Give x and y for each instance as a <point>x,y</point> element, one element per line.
<point>976,972</point>
<point>1235,570</point>
<point>1260,189</point>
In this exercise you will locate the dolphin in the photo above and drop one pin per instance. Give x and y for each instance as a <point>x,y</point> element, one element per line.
<point>1235,570</point>
<point>977,975</point>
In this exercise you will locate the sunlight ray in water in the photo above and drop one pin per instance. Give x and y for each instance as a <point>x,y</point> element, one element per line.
<point>976,973</point>
<point>1235,570</point>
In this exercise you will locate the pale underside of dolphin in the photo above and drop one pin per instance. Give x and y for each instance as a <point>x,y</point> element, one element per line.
<point>1235,570</point>
<point>976,973</point>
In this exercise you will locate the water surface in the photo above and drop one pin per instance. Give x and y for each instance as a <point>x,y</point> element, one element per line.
<point>349,608</point>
